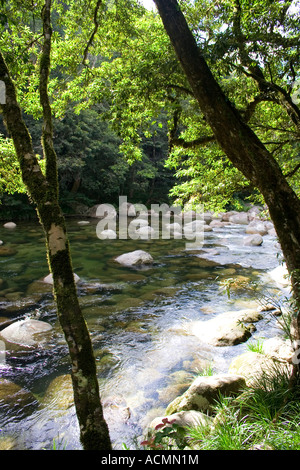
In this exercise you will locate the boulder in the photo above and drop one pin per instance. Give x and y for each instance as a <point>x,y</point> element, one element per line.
<point>9,225</point>
<point>217,224</point>
<point>257,227</point>
<point>49,279</point>
<point>204,391</point>
<point>107,234</point>
<point>135,258</point>
<point>272,232</point>
<point>189,418</point>
<point>281,276</point>
<point>16,399</point>
<point>279,348</point>
<point>239,218</point>
<point>26,332</point>
<point>253,366</point>
<point>59,394</point>
<point>225,216</point>
<point>145,232</point>
<point>253,240</point>
<point>226,329</point>
<point>7,251</point>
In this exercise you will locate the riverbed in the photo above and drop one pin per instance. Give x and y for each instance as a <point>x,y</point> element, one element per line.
<point>137,319</point>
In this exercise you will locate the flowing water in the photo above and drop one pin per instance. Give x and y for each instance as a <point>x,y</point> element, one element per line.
<point>137,320</point>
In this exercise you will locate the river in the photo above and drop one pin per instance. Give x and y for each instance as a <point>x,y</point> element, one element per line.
<point>136,318</point>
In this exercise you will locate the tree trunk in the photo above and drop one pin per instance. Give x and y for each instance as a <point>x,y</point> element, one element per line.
<point>43,190</point>
<point>239,142</point>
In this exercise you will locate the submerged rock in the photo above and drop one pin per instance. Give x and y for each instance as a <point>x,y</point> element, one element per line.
<point>14,398</point>
<point>59,394</point>
<point>7,251</point>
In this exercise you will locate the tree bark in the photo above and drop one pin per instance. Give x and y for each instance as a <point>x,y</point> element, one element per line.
<point>43,190</point>
<point>239,142</point>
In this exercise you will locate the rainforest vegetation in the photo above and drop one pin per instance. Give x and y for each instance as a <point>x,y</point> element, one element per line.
<point>189,102</point>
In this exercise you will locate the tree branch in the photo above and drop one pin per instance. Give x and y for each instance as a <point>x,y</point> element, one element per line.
<point>90,41</point>
<point>47,136</point>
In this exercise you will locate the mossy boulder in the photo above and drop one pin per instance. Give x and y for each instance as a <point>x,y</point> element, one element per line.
<point>59,394</point>
<point>253,366</point>
<point>204,391</point>
<point>16,399</point>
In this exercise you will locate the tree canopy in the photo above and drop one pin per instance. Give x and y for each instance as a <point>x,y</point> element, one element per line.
<point>115,57</point>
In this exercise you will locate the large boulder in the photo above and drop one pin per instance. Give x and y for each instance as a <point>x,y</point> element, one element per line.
<point>279,348</point>
<point>189,418</point>
<point>59,394</point>
<point>26,332</point>
<point>204,391</point>
<point>257,227</point>
<point>16,399</point>
<point>281,276</point>
<point>135,258</point>
<point>253,366</point>
<point>240,218</point>
<point>226,329</point>
<point>253,240</point>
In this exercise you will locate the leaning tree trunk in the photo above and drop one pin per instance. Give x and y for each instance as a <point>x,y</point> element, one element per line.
<point>43,189</point>
<point>239,142</point>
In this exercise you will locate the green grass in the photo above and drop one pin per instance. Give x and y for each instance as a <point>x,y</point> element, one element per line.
<point>256,346</point>
<point>265,416</point>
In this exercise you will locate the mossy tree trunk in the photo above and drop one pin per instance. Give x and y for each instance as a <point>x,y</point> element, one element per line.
<point>43,189</point>
<point>241,145</point>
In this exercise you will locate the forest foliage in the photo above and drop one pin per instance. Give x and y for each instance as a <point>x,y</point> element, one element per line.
<point>125,119</point>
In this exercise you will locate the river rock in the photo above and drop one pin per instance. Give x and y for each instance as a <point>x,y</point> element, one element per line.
<point>107,234</point>
<point>10,225</point>
<point>145,232</point>
<point>240,218</point>
<point>253,240</point>
<point>257,227</point>
<point>281,276</point>
<point>226,329</point>
<point>49,279</point>
<point>189,418</point>
<point>7,251</point>
<point>253,366</point>
<point>16,399</point>
<point>204,391</point>
<point>279,348</point>
<point>59,394</point>
<point>135,258</point>
<point>83,222</point>
<point>26,332</point>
